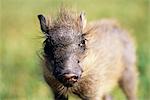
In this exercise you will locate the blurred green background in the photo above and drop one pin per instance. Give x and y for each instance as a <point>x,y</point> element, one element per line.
<point>20,69</point>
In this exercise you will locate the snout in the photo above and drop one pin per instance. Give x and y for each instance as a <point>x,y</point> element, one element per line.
<point>68,72</point>
<point>68,77</point>
<point>71,77</point>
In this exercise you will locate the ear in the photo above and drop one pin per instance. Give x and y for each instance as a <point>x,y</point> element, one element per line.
<point>44,26</point>
<point>82,20</point>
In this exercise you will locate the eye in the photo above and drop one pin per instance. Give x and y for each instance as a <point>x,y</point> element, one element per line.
<point>82,43</point>
<point>78,61</point>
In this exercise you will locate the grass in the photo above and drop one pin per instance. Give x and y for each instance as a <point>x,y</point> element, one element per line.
<point>20,71</point>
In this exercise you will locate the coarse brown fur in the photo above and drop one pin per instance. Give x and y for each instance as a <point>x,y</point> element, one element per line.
<point>108,60</point>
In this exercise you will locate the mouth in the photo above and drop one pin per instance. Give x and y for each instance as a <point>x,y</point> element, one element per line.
<point>68,84</point>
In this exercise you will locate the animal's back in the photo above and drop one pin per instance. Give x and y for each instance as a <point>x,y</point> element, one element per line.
<point>110,50</point>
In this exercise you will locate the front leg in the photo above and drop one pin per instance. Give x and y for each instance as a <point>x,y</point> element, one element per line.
<point>57,96</point>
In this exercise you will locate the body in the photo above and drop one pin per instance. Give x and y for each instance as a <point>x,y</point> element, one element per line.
<point>109,60</point>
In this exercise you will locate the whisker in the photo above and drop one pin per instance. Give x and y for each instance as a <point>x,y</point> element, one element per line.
<point>61,91</point>
<point>65,92</point>
<point>39,54</point>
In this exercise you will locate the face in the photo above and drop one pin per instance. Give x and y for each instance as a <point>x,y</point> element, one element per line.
<point>64,48</point>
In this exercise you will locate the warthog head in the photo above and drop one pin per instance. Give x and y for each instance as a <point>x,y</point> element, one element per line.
<point>64,46</point>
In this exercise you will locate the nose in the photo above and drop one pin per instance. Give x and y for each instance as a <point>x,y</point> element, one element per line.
<point>71,78</point>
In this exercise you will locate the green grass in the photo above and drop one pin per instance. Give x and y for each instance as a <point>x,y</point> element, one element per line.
<point>20,70</point>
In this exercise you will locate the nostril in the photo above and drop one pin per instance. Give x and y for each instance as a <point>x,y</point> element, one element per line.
<point>74,77</point>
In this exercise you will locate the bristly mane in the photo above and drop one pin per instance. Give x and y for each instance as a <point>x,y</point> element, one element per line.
<point>65,18</point>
